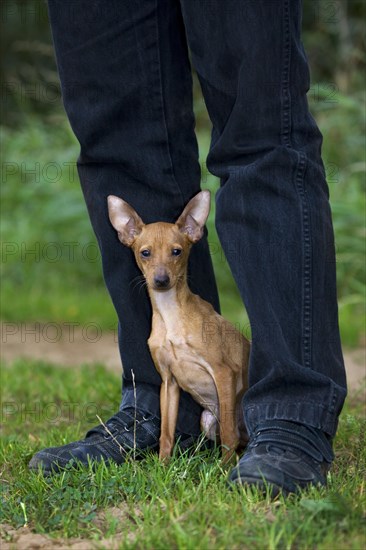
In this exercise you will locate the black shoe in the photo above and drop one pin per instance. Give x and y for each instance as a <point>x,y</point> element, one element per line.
<point>283,457</point>
<point>129,432</point>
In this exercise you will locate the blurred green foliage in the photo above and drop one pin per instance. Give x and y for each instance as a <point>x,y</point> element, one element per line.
<point>42,204</point>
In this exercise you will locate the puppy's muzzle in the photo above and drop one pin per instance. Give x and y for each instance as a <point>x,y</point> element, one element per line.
<point>161,280</point>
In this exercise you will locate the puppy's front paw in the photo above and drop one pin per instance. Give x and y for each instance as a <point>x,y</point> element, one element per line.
<point>165,450</point>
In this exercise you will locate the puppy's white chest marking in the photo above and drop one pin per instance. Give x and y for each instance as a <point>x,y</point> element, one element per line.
<point>167,306</point>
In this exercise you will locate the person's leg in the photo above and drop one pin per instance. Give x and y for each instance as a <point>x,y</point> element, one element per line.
<point>127,90</point>
<point>274,221</point>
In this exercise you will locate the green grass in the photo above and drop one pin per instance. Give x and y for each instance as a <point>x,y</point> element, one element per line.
<point>186,504</point>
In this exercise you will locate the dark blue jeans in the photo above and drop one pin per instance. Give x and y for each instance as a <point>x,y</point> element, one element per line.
<point>127,90</point>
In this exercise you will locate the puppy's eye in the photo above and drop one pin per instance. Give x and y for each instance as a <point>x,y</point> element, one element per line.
<point>176,251</point>
<point>145,253</point>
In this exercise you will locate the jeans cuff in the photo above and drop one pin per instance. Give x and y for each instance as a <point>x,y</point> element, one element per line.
<point>308,414</point>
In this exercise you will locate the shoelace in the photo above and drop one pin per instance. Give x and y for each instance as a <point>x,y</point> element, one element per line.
<point>123,421</point>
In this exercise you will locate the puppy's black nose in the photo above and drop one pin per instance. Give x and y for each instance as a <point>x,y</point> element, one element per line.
<point>162,280</point>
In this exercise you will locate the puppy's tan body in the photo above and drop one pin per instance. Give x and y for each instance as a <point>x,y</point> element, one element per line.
<point>192,346</point>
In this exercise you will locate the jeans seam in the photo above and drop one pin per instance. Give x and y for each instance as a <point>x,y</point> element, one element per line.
<point>285,82</point>
<point>163,104</point>
<point>300,173</point>
<point>306,263</point>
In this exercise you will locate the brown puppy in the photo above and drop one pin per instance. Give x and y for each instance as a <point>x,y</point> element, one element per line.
<point>193,347</point>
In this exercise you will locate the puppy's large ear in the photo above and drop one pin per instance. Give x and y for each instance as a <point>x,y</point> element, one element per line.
<point>194,216</point>
<point>124,219</point>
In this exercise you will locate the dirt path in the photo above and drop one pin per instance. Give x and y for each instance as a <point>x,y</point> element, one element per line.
<point>60,343</point>
<point>68,346</point>
<point>24,538</point>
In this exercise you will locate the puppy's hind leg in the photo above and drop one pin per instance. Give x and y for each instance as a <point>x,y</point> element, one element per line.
<point>210,425</point>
